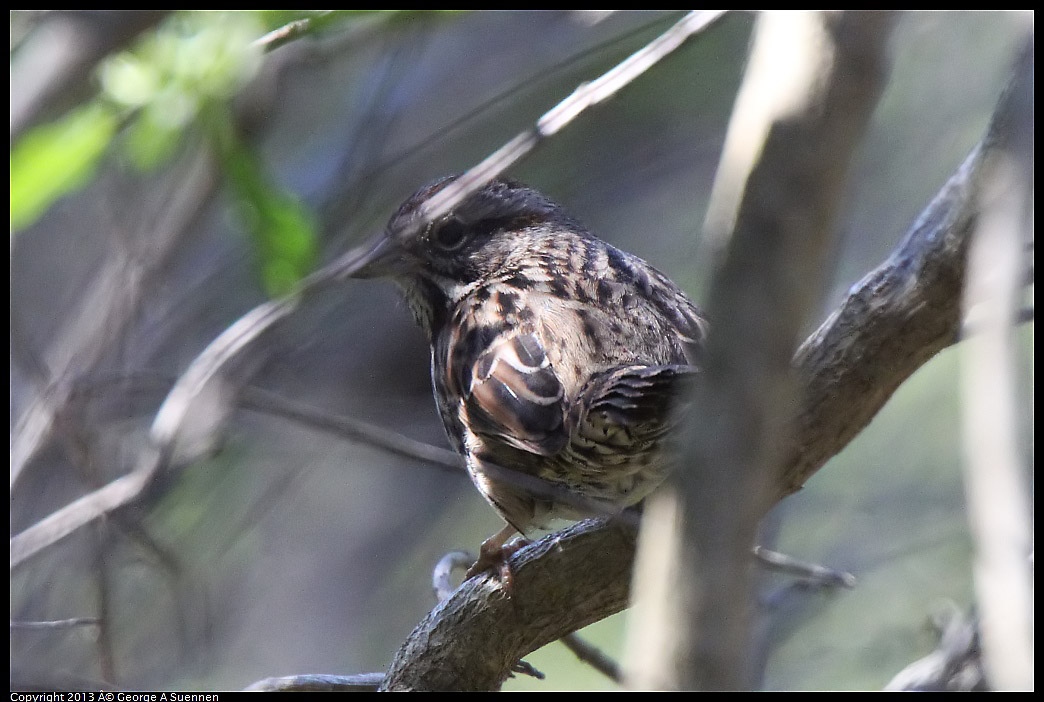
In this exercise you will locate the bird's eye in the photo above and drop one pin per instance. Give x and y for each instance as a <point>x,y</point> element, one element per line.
<point>449,235</point>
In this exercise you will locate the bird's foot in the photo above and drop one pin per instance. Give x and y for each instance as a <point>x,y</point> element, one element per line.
<point>494,555</point>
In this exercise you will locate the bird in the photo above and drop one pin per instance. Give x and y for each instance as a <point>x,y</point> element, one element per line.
<point>559,363</point>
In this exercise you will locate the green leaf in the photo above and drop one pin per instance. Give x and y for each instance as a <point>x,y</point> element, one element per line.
<point>54,159</point>
<point>283,229</point>
<point>149,142</point>
<point>192,60</point>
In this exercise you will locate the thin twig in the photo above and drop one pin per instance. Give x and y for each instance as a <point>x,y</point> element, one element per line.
<point>593,656</point>
<point>499,98</point>
<point>362,682</point>
<point>262,401</point>
<point>103,592</point>
<point>85,510</point>
<point>291,31</point>
<point>524,668</point>
<point>585,96</point>
<point>259,400</point>
<point>50,625</point>
<point>441,575</point>
<point>955,664</point>
<point>812,572</point>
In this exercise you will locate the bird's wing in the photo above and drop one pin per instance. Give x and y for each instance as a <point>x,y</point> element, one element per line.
<point>632,405</point>
<point>516,396</point>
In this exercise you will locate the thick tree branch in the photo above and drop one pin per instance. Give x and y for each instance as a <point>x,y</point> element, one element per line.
<point>473,639</point>
<point>810,87</point>
<point>996,481</point>
<point>890,324</point>
<point>892,321</point>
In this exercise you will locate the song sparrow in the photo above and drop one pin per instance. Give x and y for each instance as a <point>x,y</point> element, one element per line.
<point>556,359</point>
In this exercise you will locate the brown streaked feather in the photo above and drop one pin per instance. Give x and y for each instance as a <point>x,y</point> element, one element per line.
<point>632,405</point>
<point>516,397</point>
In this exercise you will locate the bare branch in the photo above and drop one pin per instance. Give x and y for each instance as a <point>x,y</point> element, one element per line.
<point>260,400</point>
<point>473,639</point>
<point>56,623</point>
<point>292,30</point>
<point>585,96</point>
<point>996,485</point>
<point>593,657</point>
<point>893,320</point>
<point>812,82</point>
<point>361,682</point>
<point>811,572</point>
<point>85,510</point>
<point>954,666</point>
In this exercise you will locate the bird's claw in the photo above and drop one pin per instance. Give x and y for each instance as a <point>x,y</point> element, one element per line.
<point>493,557</point>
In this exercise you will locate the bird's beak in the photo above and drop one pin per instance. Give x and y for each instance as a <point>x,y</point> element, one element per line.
<point>381,256</point>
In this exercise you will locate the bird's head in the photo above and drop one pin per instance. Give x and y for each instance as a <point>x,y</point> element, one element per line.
<point>437,263</point>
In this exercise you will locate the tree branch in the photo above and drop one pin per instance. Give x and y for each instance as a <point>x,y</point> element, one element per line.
<point>811,84</point>
<point>892,321</point>
<point>996,482</point>
<point>362,682</point>
<point>473,639</point>
<point>956,663</point>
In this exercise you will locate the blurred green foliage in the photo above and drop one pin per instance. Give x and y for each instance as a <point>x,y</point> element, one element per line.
<point>282,228</point>
<point>177,80</point>
<point>54,159</point>
<point>195,61</point>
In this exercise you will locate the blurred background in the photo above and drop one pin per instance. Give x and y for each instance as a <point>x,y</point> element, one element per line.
<point>169,173</point>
